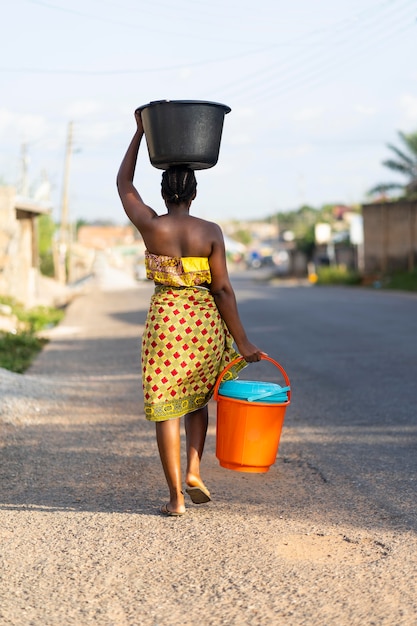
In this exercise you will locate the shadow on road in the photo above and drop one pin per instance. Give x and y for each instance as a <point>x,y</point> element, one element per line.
<point>84,444</point>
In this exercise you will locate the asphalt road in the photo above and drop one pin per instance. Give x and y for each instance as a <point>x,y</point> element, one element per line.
<point>351,355</point>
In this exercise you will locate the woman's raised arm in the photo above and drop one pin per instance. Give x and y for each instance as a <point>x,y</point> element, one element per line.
<point>137,211</point>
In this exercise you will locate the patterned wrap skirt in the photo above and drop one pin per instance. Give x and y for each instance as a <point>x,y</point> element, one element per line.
<point>185,346</point>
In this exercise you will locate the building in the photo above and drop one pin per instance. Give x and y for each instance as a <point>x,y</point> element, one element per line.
<point>19,257</point>
<point>104,237</point>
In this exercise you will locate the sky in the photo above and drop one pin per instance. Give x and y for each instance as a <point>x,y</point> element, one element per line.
<point>317,91</point>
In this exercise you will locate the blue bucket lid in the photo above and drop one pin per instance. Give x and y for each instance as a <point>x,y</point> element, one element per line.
<point>253,391</point>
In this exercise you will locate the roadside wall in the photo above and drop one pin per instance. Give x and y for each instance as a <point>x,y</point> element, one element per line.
<point>390,237</point>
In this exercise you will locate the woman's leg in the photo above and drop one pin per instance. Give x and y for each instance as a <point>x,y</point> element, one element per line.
<point>195,430</point>
<point>169,446</point>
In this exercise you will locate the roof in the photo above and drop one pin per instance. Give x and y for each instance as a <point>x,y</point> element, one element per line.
<point>28,206</point>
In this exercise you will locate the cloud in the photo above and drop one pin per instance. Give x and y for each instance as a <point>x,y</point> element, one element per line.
<point>81,108</point>
<point>365,110</point>
<point>287,152</point>
<point>305,115</point>
<point>98,131</point>
<point>408,104</point>
<point>185,73</point>
<point>6,120</point>
<point>301,149</point>
<point>27,127</point>
<point>241,126</point>
<point>244,112</point>
<point>240,139</point>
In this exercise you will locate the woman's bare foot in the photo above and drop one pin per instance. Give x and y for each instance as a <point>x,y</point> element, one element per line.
<point>175,506</point>
<point>166,510</point>
<point>197,490</point>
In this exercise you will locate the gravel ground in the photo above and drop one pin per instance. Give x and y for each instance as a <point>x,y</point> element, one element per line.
<point>81,538</point>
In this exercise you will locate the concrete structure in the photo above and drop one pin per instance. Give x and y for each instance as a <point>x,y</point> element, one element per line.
<point>18,246</point>
<point>390,237</point>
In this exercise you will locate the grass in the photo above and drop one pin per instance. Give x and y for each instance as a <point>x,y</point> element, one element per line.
<point>404,281</point>
<point>18,349</point>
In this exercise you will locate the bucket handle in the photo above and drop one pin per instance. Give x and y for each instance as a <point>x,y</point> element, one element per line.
<point>264,357</point>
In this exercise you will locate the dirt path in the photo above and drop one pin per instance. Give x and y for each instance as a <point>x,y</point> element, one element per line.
<point>81,538</point>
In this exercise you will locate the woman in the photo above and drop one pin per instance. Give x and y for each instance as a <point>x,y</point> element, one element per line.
<point>191,324</point>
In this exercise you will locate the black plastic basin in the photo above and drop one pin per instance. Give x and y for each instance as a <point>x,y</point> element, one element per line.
<point>183,132</point>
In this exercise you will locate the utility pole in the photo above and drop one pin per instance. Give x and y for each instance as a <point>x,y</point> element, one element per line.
<point>64,232</point>
<point>24,187</point>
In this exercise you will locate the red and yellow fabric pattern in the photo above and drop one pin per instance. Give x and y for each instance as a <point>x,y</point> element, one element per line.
<point>177,271</point>
<point>185,346</point>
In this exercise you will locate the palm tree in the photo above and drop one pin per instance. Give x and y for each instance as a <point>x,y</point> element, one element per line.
<point>406,164</point>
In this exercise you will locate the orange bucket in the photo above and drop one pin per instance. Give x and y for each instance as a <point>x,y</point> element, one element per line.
<point>248,433</point>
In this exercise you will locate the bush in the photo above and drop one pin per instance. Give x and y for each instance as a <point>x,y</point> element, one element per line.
<point>18,350</point>
<point>36,318</point>
<point>41,317</point>
<point>337,275</point>
<point>46,264</point>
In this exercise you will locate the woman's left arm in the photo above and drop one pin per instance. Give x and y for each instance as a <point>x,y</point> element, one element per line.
<point>225,299</point>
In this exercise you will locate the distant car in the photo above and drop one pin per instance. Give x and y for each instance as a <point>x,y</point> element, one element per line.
<point>281,260</point>
<point>255,260</point>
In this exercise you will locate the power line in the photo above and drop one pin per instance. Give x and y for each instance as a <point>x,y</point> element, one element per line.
<point>258,77</point>
<point>313,56</point>
<point>148,70</point>
<point>316,76</point>
<point>135,26</point>
<point>314,64</point>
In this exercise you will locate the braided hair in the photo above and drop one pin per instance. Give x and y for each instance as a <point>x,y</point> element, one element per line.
<point>178,184</point>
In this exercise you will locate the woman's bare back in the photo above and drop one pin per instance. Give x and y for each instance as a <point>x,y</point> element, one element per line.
<point>181,236</point>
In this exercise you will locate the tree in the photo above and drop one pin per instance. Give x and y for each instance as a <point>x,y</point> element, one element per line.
<point>405,163</point>
<point>298,220</point>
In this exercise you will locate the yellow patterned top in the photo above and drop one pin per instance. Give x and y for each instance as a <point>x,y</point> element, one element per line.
<point>175,271</point>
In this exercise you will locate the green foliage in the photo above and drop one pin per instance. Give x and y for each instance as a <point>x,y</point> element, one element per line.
<point>18,351</point>
<point>46,232</point>
<point>298,221</point>
<point>307,242</point>
<point>301,222</point>
<point>243,236</point>
<point>46,265</point>
<point>36,318</point>
<point>41,317</point>
<point>9,301</point>
<point>79,223</point>
<point>337,275</point>
<point>405,281</point>
<point>404,163</point>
